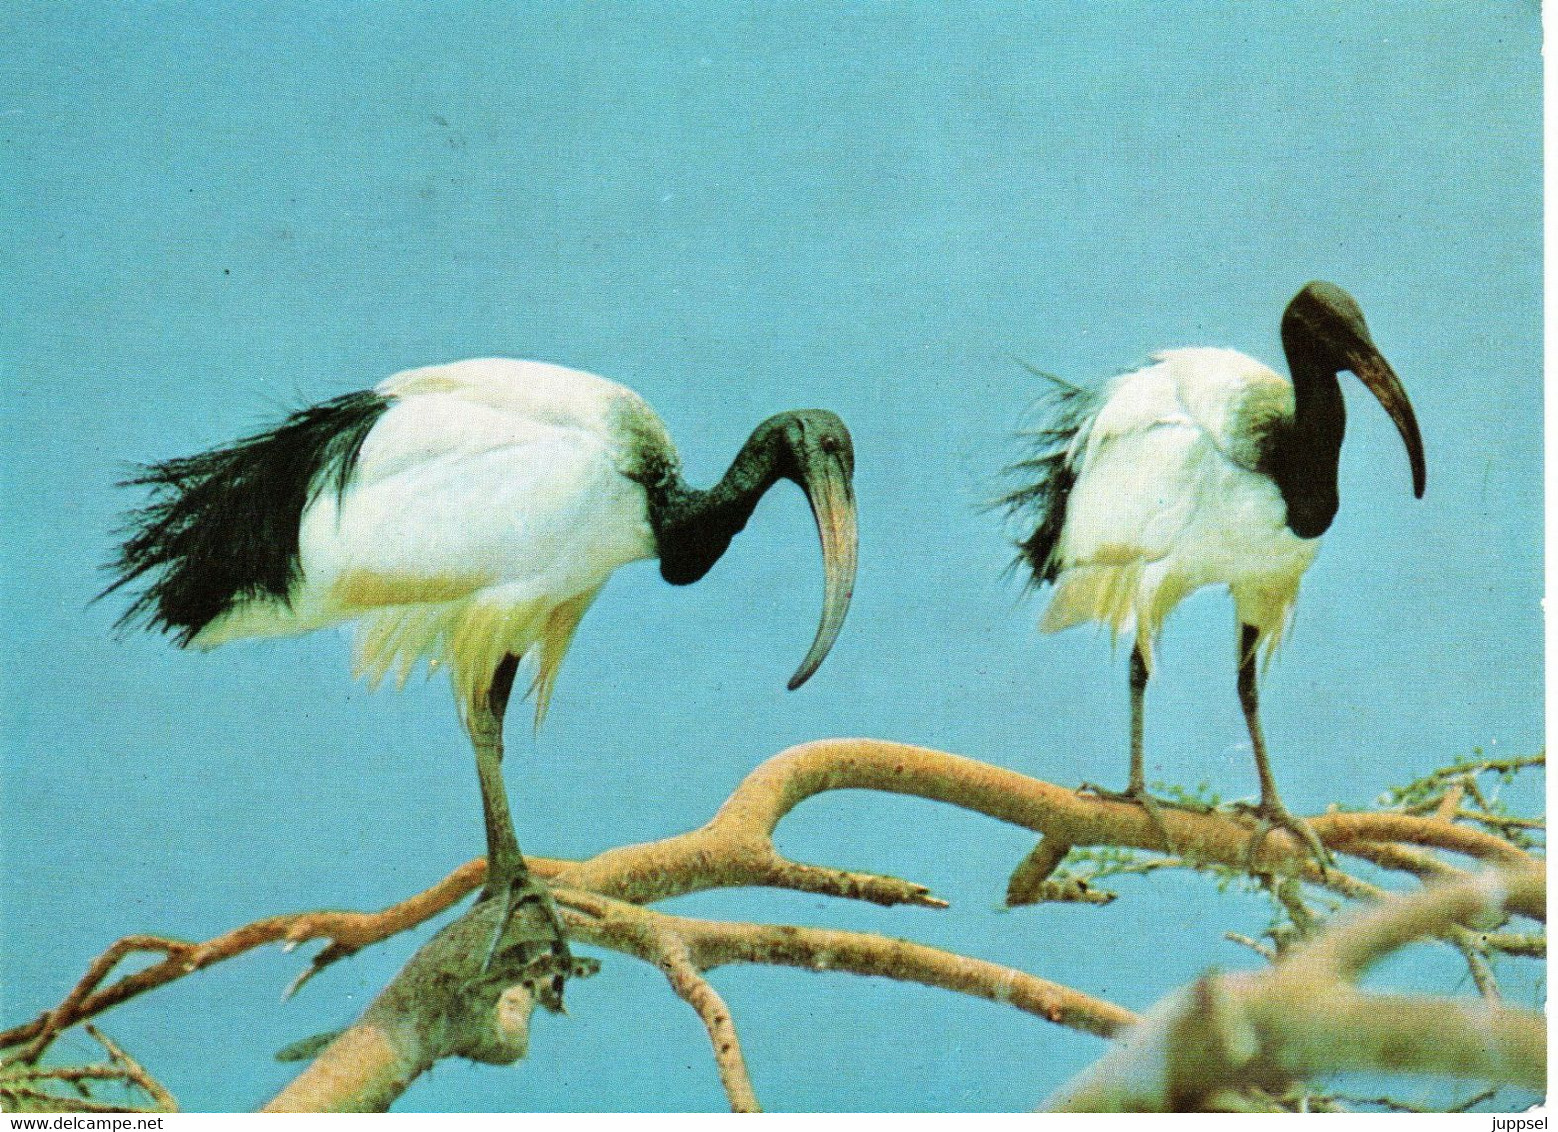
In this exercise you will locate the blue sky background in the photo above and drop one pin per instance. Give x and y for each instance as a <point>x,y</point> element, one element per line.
<point>217,213</point>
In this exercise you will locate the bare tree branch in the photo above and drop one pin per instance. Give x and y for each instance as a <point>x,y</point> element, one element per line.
<point>736,846</point>
<point>694,989</point>
<point>1398,858</point>
<point>24,1087</point>
<point>369,1065</point>
<point>450,1000</point>
<point>1303,1016</point>
<point>438,1006</point>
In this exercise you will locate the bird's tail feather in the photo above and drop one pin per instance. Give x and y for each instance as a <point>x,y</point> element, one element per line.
<point>221,528</point>
<point>1048,475</point>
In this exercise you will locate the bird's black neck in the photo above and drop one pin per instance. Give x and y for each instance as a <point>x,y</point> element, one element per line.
<point>692,528</point>
<point>1306,454</point>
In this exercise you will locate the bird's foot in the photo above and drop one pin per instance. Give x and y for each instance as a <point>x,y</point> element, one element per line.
<point>1137,794</point>
<point>529,936</point>
<point>1271,815</point>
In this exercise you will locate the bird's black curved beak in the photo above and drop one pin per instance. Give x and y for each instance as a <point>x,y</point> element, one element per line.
<point>825,470</point>
<point>1375,373</point>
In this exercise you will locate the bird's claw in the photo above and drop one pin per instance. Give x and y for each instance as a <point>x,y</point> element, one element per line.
<point>1271,816</point>
<point>529,935</point>
<point>1139,796</point>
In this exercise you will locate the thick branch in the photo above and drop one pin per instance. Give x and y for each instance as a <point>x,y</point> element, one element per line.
<point>714,943</point>
<point>1304,1017</point>
<point>447,1002</point>
<point>374,1061</point>
<point>1364,938</point>
<point>736,847</point>
<point>1400,859</point>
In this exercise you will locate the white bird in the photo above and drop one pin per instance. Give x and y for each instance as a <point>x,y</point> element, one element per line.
<point>1204,468</point>
<point>465,514</point>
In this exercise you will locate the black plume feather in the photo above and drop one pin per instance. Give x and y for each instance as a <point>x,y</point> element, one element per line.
<point>222,527</point>
<point>1050,476</point>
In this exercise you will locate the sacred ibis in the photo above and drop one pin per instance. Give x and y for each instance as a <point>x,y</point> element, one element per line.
<point>1203,468</point>
<point>466,515</point>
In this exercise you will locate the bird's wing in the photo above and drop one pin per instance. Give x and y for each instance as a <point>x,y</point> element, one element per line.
<point>1133,495</point>
<point>468,405</point>
<point>1128,405</point>
<point>470,556</point>
<point>1167,498</point>
<point>1084,424</point>
<point>1136,468</point>
<point>1144,462</point>
<point>451,502</point>
<point>545,515</point>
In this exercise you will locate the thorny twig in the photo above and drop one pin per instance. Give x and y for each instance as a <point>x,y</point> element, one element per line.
<point>1392,1105</point>
<point>23,1085</point>
<point>1442,791</point>
<point>1438,797</point>
<point>1265,951</point>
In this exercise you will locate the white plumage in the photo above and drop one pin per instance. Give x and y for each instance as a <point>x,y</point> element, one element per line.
<point>488,506</point>
<point>1167,499</point>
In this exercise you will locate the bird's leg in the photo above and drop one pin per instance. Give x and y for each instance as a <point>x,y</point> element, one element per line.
<point>1138,787</point>
<point>1137,790</point>
<point>1271,810</point>
<point>505,863</point>
<point>509,879</point>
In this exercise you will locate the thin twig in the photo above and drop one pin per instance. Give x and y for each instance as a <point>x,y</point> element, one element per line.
<point>69,1010</point>
<point>1447,806</point>
<point>53,1102</point>
<point>1532,945</point>
<point>1502,822</point>
<point>1029,882</point>
<point>1392,1105</point>
<point>1399,858</point>
<point>135,1073</point>
<point>1265,951</point>
<point>1468,944</point>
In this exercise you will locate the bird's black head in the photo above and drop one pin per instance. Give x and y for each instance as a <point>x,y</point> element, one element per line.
<point>810,447</point>
<point>808,443</point>
<point>1324,332</point>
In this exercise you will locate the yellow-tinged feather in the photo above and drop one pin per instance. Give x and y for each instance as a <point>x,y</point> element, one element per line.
<point>556,636</point>
<point>398,637</point>
<point>1103,593</point>
<point>471,638</point>
<point>371,589</point>
<point>485,633</point>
